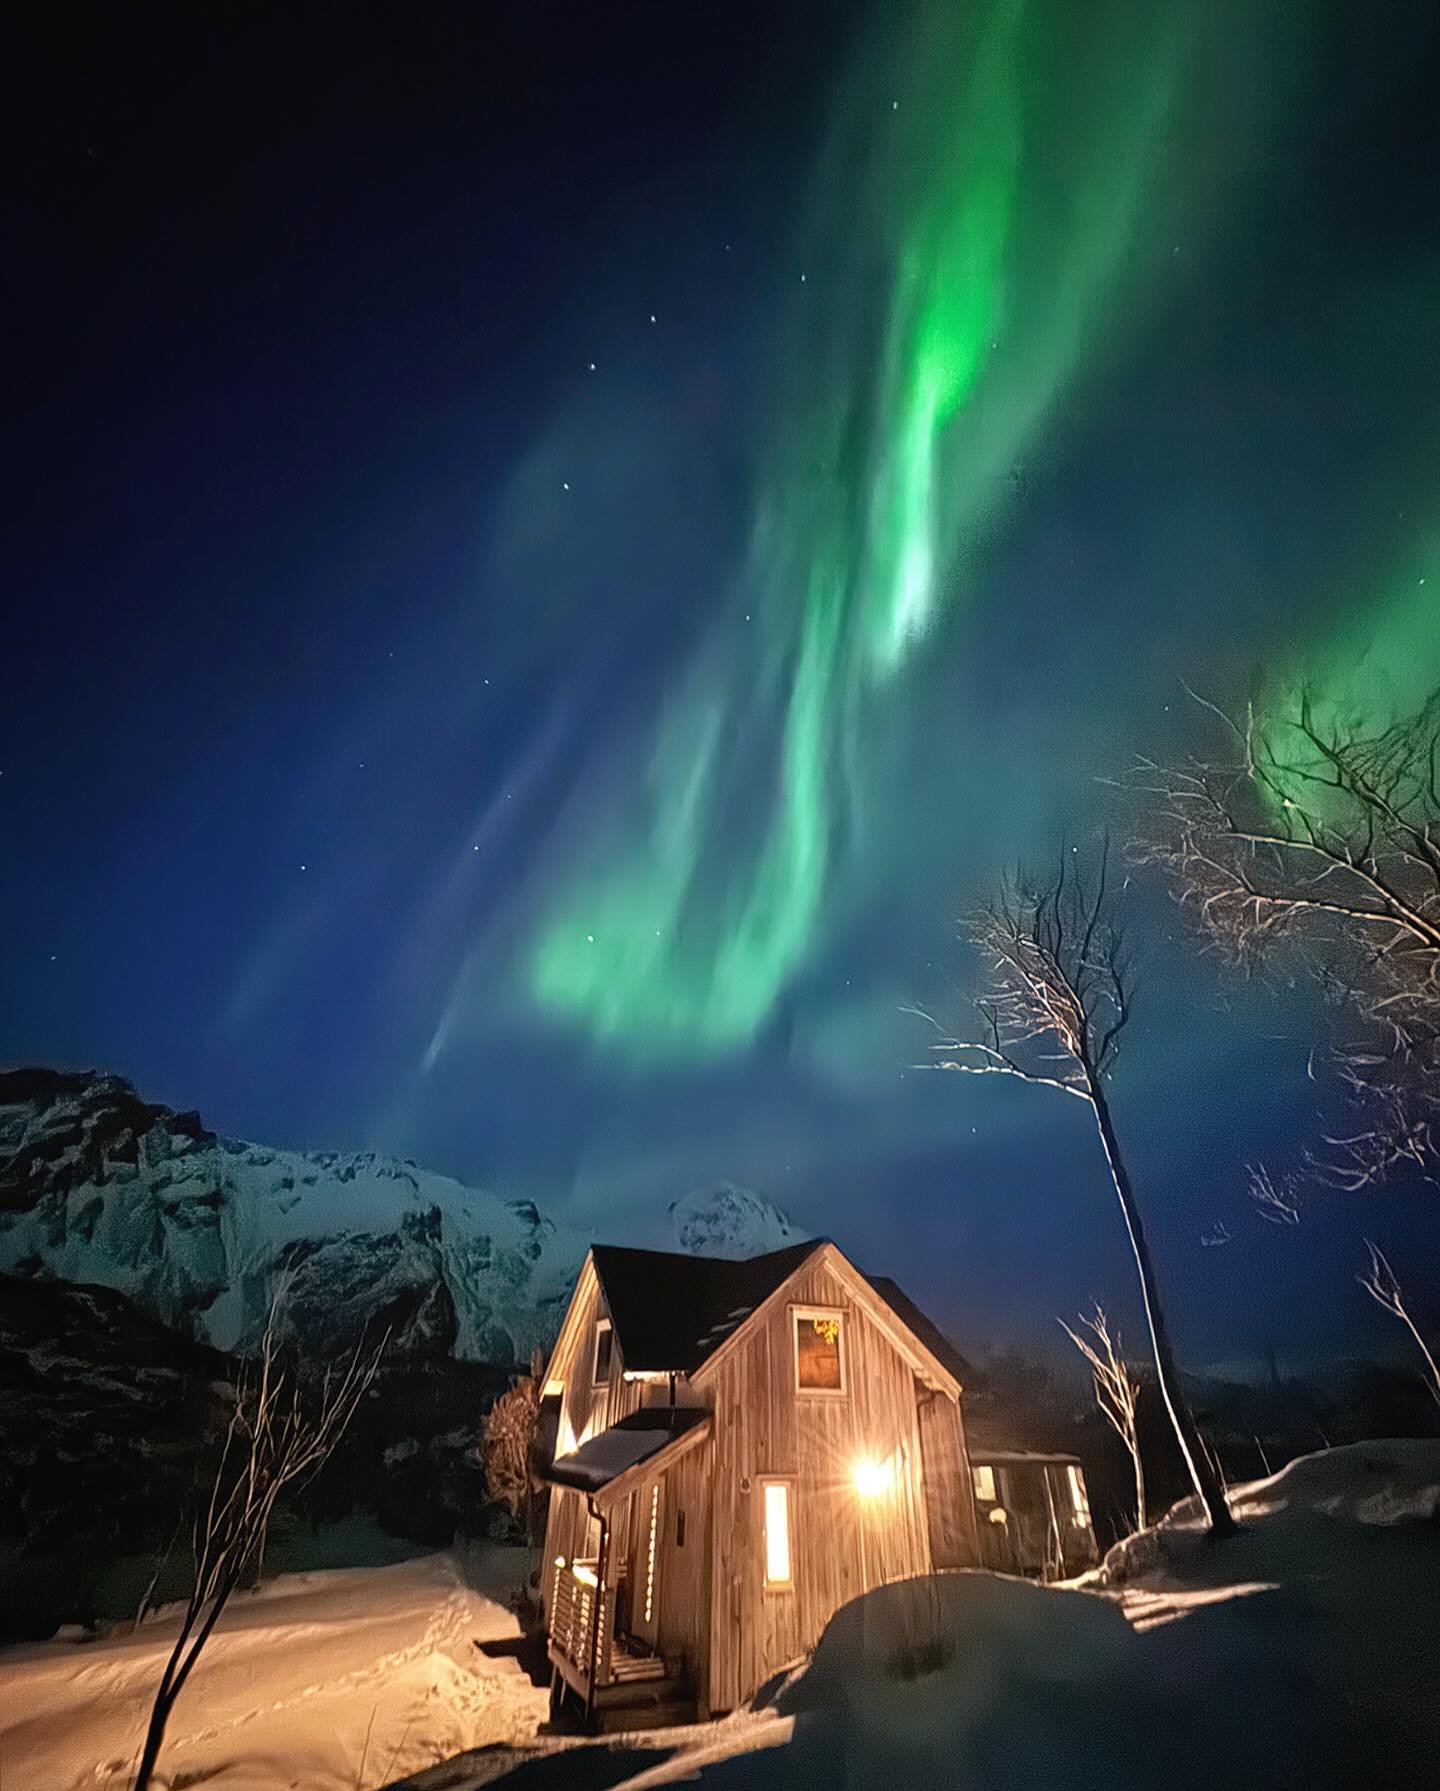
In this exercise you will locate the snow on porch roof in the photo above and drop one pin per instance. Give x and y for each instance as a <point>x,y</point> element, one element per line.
<point>624,1446</point>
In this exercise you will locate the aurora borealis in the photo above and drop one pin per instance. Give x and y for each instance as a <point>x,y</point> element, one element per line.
<point>556,561</point>
<point>958,290</point>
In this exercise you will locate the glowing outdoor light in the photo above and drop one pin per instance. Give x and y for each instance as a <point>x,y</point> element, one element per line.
<point>871,1478</point>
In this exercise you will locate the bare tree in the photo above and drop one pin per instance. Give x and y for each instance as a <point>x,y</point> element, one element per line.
<point>280,1433</point>
<point>1381,1283</point>
<point>1061,983</point>
<point>1312,840</point>
<point>1117,1391</point>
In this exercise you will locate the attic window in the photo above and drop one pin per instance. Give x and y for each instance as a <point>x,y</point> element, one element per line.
<point>604,1339</point>
<point>819,1362</point>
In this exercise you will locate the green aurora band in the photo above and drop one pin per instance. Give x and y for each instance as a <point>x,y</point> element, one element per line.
<point>988,210</point>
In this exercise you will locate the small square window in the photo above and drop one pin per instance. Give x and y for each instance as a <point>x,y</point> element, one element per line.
<point>985,1484</point>
<point>604,1338</point>
<point>819,1367</point>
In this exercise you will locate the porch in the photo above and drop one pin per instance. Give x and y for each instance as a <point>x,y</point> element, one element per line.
<point>619,1681</point>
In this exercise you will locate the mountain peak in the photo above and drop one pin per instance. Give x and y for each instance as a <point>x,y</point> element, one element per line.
<point>726,1220</point>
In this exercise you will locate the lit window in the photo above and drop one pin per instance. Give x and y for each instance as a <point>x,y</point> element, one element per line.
<point>777,1533</point>
<point>1079,1498</point>
<point>650,1551</point>
<point>603,1344</point>
<point>819,1367</point>
<point>985,1484</point>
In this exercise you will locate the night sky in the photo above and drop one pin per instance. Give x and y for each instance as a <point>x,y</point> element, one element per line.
<point>553,550</point>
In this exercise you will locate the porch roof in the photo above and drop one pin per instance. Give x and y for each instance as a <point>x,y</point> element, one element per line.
<point>614,1452</point>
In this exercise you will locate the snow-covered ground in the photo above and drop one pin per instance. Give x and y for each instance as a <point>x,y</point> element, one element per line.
<point>1300,1653</point>
<point>341,1680</point>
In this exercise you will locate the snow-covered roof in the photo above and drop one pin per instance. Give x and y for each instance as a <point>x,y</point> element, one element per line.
<point>624,1446</point>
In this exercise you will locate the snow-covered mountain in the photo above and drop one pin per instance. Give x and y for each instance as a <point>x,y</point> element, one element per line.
<point>99,1186</point>
<point>728,1221</point>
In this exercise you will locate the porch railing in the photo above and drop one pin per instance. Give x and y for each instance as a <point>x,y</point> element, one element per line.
<point>582,1622</point>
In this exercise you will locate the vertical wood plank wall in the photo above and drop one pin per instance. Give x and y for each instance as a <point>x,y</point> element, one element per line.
<point>841,1544</point>
<point>712,1599</point>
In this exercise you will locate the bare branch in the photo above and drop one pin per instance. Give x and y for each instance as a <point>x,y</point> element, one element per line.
<point>1275,1202</point>
<point>1117,1391</point>
<point>1380,1282</point>
<point>1313,844</point>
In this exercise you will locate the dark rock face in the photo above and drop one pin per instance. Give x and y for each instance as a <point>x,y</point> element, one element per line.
<point>140,1254</point>
<point>101,1407</point>
<point>111,1424</point>
<point>62,1128</point>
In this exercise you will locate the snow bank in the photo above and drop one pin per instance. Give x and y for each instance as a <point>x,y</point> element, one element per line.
<point>334,1681</point>
<point>1392,1481</point>
<point>1298,1655</point>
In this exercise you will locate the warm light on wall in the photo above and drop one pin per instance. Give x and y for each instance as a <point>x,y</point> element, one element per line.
<point>872,1478</point>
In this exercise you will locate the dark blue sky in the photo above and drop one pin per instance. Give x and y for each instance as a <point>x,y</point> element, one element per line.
<point>314,695</point>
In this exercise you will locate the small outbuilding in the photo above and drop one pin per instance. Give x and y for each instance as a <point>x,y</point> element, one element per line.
<point>1034,1512</point>
<point>740,1447</point>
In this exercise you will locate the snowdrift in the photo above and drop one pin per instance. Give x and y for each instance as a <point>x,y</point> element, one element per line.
<point>1300,1653</point>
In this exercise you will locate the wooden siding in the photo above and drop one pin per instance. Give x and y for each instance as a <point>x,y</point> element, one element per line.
<point>713,1610</point>
<point>949,1494</point>
<point>840,1542</point>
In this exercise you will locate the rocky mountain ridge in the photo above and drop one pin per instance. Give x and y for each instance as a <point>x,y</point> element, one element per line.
<point>99,1186</point>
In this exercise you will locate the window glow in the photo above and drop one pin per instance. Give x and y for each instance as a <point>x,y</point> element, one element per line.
<point>872,1478</point>
<point>777,1533</point>
<point>985,1483</point>
<point>650,1553</point>
<point>819,1364</point>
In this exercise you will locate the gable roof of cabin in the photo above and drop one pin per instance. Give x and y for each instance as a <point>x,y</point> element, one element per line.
<point>925,1328</point>
<point>671,1312</point>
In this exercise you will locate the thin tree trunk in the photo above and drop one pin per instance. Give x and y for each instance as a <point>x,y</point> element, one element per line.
<point>154,1740</point>
<point>1202,1472</point>
<point>1140,1513</point>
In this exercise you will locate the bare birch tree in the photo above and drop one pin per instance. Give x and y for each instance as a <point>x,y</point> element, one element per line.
<point>1382,1284</point>
<point>1312,841</point>
<point>1060,990</point>
<point>279,1434</point>
<point>1117,1392</point>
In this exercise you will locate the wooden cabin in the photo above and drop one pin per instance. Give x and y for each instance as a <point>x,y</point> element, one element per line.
<point>739,1447</point>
